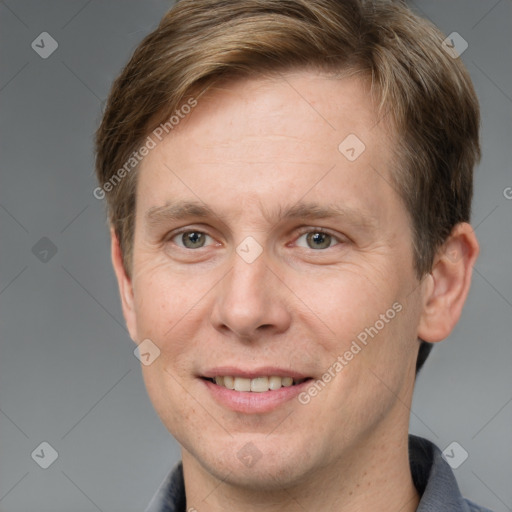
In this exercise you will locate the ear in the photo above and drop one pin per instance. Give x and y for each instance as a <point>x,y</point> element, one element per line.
<point>125,286</point>
<point>446,287</point>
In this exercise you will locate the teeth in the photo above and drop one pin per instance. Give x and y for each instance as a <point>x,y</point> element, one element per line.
<point>229,382</point>
<point>257,385</point>
<point>274,383</point>
<point>260,384</point>
<point>242,384</point>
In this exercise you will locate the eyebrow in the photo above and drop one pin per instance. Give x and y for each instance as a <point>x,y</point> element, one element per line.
<point>182,210</point>
<point>179,210</point>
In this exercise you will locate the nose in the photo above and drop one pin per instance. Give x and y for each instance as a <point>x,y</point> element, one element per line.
<point>251,301</point>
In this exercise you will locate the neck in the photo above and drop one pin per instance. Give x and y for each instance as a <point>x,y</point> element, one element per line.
<point>374,476</point>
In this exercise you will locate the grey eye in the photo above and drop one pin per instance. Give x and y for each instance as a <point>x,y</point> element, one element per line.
<point>316,240</point>
<point>191,239</point>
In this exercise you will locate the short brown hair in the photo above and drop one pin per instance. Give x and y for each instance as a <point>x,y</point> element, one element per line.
<point>425,91</point>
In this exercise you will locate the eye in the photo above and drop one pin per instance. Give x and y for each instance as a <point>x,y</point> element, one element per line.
<point>191,239</point>
<point>316,240</point>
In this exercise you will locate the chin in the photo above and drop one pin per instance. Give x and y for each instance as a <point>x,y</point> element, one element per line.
<point>256,462</point>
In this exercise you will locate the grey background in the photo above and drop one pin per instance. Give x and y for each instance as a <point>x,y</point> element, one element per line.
<point>68,375</point>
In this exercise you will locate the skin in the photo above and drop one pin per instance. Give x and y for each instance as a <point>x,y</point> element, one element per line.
<point>248,150</point>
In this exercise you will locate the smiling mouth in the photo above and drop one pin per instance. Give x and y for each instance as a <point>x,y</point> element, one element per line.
<point>257,385</point>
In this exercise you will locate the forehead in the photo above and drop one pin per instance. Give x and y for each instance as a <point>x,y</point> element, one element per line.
<point>253,140</point>
<point>302,106</point>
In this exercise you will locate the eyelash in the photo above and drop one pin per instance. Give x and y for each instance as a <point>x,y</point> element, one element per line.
<point>302,232</point>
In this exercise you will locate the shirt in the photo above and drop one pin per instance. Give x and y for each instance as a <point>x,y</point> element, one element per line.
<point>431,474</point>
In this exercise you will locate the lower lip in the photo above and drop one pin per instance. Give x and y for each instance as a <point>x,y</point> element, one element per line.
<point>250,402</point>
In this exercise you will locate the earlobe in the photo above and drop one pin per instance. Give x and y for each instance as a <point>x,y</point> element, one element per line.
<point>445,289</point>
<point>125,285</point>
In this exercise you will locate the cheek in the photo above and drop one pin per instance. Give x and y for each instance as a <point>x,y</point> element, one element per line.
<point>170,311</point>
<point>349,298</point>
<point>161,297</point>
<point>371,320</point>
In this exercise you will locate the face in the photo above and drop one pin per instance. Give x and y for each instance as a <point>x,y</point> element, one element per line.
<point>267,254</point>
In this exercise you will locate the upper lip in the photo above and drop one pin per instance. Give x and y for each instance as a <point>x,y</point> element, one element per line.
<point>267,371</point>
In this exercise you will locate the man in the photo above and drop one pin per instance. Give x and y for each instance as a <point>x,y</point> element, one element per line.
<point>289,187</point>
